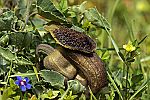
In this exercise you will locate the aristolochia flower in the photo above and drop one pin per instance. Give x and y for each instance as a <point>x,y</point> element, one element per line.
<point>23,83</point>
<point>129,47</point>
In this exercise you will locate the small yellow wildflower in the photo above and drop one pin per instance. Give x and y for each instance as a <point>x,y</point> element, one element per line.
<point>129,47</point>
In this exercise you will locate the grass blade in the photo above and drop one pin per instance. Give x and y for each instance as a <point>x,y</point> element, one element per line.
<point>36,73</point>
<point>140,89</point>
<point>115,86</point>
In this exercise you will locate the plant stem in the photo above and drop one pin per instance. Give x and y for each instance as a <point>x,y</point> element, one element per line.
<point>92,97</point>
<point>109,49</point>
<point>21,95</point>
<point>27,18</point>
<point>27,14</point>
<point>26,95</point>
<point>8,74</point>
<point>111,18</point>
<point>114,85</point>
<point>127,74</point>
<point>62,97</point>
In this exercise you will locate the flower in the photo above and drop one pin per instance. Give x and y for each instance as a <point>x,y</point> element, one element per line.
<point>129,47</point>
<point>23,83</point>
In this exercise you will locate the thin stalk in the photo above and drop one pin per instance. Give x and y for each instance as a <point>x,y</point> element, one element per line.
<point>145,84</point>
<point>127,74</point>
<point>130,28</point>
<point>111,17</point>
<point>112,40</point>
<point>110,20</point>
<point>8,74</point>
<point>114,85</point>
<point>62,97</point>
<point>102,39</point>
<point>26,95</point>
<point>26,74</point>
<point>92,97</point>
<point>36,73</point>
<point>27,14</point>
<point>109,49</point>
<point>27,19</point>
<point>21,95</point>
<point>113,10</point>
<point>124,66</point>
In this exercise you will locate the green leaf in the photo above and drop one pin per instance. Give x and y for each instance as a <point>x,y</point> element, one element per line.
<point>27,39</point>
<point>130,59</point>
<point>12,83</point>
<point>51,94</point>
<point>33,77</point>
<point>7,54</point>
<point>3,66</point>
<point>44,96</point>
<point>137,78</point>
<point>125,82</point>
<point>67,95</point>
<point>54,94</point>
<point>61,91</point>
<point>118,78</point>
<point>20,39</point>
<point>114,85</point>
<point>112,40</point>
<point>105,55</point>
<point>142,40</point>
<point>16,38</point>
<point>144,84</point>
<point>75,86</point>
<point>4,40</point>
<point>54,78</point>
<point>22,61</point>
<point>82,97</point>
<point>77,28</point>
<point>79,9</point>
<point>36,72</point>
<point>96,18</point>
<point>121,55</point>
<point>147,58</point>
<point>63,5</point>
<point>82,7</point>
<point>7,92</point>
<point>70,96</point>
<point>16,97</point>
<point>92,97</point>
<point>47,9</point>
<point>21,8</point>
<point>6,19</point>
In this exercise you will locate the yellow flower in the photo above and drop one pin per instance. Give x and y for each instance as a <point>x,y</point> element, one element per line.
<point>129,47</point>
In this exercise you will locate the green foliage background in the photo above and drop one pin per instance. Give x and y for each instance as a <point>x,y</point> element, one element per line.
<point>21,30</point>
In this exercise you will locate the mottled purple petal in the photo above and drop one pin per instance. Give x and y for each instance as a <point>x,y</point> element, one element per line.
<point>27,79</point>
<point>17,82</point>
<point>23,88</point>
<point>28,86</point>
<point>19,78</point>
